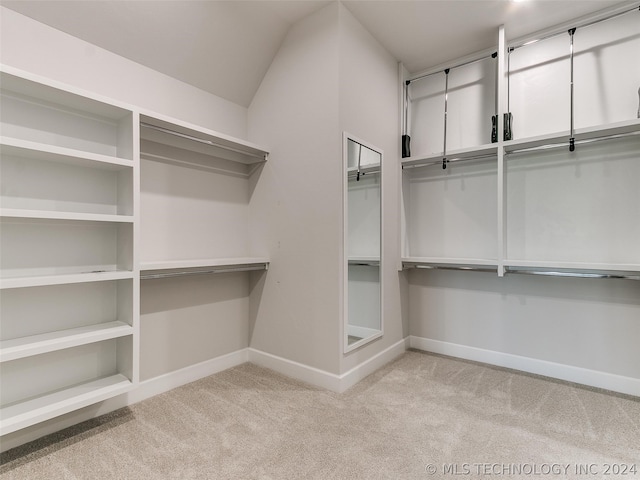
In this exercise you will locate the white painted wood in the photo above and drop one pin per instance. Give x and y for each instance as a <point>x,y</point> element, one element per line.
<point>489,262</point>
<point>52,215</point>
<point>322,378</point>
<point>43,151</point>
<point>469,152</point>
<point>22,282</point>
<point>203,262</point>
<point>211,143</point>
<point>73,246</point>
<point>32,411</point>
<point>603,267</point>
<point>40,113</point>
<point>569,373</point>
<point>61,339</point>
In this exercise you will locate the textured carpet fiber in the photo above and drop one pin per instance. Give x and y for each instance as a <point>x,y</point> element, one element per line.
<point>422,416</point>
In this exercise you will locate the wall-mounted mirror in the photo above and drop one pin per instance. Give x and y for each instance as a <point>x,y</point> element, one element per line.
<point>363,239</point>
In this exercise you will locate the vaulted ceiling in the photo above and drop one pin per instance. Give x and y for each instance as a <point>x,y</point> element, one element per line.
<point>226,47</point>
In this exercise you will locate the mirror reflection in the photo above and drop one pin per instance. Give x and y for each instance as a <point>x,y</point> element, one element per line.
<point>363,171</point>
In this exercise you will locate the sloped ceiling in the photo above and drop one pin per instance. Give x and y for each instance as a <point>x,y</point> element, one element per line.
<point>226,47</point>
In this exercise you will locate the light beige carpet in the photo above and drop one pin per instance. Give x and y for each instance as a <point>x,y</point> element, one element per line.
<point>422,416</point>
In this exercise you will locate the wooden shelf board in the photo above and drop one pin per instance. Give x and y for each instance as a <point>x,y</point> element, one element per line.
<point>466,153</point>
<point>587,133</point>
<point>52,153</point>
<point>596,267</point>
<point>202,263</point>
<point>451,261</point>
<point>55,215</point>
<point>48,342</point>
<point>52,92</point>
<point>61,279</point>
<point>29,412</point>
<point>223,146</point>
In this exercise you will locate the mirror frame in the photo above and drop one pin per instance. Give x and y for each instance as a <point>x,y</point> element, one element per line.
<point>345,248</point>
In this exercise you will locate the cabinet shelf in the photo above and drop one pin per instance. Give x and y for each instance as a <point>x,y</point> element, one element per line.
<point>185,136</point>
<point>581,134</point>
<point>43,280</point>
<point>29,412</point>
<point>54,215</point>
<point>470,153</point>
<point>174,268</point>
<point>48,342</point>
<point>576,269</point>
<point>483,264</point>
<point>41,151</point>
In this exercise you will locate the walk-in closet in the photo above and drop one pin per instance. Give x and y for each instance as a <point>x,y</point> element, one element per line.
<point>303,221</point>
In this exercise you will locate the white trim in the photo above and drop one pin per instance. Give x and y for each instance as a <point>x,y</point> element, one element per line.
<point>169,381</point>
<point>584,376</point>
<point>142,391</point>
<point>366,368</point>
<point>322,378</point>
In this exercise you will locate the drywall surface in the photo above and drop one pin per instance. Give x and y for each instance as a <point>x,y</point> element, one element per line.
<point>588,323</point>
<point>295,210</point>
<point>369,110</point>
<point>42,50</point>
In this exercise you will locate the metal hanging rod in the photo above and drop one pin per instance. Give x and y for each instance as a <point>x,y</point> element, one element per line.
<point>364,263</point>
<point>453,160</point>
<point>550,146</point>
<point>575,274</point>
<point>244,268</point>
<point>473,268</point>
<point>469,62</point>
<point>582,25</point>
<point>362,174</point>
<point>203,141</point>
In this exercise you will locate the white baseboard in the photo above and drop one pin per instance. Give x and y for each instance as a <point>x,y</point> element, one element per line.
<point>171,380</point>
<point>593,378</point>
<point>177,378</point>
<point>322,378</point>
<point>144,390</point>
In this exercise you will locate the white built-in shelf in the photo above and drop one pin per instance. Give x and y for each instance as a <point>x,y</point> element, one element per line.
<point>370,260</point>
<point>48,342</point>
<point>54,215</point>
<point>63,279</point>
<point>457,263</point>
<point>34,410</point>
<point>587,133</point>
<point>52,153</point>
<point>25,84</point>
<point>629,269</point>
<point>201,266</point>
<point>186,136</point>
<point>468,153</point>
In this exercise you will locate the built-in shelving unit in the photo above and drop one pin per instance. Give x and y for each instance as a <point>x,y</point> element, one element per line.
<point>529,205</point>
<point>175,268</point>
<point>68,176</point>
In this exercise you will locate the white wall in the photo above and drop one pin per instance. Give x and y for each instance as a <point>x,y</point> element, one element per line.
<point>296,205</point>
<point>369,110</point>
<point>40,49</point>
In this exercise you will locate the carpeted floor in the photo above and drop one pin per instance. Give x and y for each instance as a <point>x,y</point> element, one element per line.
<point>422,416</point>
